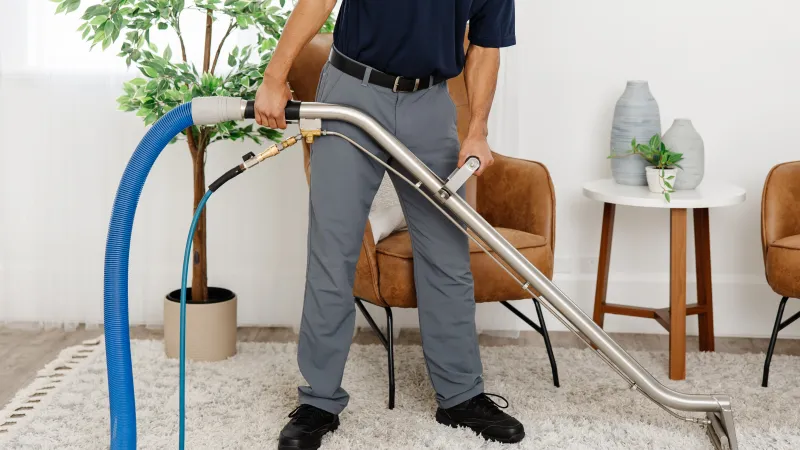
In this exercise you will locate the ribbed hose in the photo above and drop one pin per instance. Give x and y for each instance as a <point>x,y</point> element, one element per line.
<point>115,291</point>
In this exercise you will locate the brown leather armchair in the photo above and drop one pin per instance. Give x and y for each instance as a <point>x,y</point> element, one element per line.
<point>514,195</point>
<point>780,240</point>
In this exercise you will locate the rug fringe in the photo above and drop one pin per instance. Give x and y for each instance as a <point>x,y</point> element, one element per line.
<point>28,400</point>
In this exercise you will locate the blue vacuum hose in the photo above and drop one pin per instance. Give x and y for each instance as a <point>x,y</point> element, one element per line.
<point>115,289</point>
<point>201,111</point>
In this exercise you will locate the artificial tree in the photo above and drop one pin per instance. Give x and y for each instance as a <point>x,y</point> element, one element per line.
<point>169,79</point>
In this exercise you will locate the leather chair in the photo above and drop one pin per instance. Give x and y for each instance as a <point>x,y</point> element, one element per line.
<point>780,239</point>
<point>514,195</point>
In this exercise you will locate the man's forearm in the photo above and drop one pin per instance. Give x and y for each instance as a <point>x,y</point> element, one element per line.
<point>480,74</point>
<point>304,22</point>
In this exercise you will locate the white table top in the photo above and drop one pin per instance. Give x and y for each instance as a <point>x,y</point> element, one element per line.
<point>709,194</point>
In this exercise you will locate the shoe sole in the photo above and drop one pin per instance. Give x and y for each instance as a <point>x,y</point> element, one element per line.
<point>503,440</point>
<point>295,445</point>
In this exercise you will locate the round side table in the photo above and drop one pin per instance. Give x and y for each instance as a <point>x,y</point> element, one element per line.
<point>709,194</point>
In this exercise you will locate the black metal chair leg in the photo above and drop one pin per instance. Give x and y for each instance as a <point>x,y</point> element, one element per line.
<point>390,351</point>
<point>541,329</point>
<point>547,344</point>
<point>387,341</point>
<point>772,341</point>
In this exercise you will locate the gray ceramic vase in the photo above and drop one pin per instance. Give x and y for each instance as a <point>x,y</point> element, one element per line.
<point>636,115</point>
<point>683,138</point>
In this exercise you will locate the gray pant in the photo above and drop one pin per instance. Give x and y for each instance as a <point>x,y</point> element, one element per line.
<point>343,184</point>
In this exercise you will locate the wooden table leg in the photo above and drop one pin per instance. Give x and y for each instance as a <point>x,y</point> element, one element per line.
<point>702,245</point>
<point>603,263</point>
<point>677,295</point>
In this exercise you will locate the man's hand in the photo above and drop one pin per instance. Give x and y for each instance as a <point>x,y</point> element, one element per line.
<point>271,99</point>
<point>478,147</point>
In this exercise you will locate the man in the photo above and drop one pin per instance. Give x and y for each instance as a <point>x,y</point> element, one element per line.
<point>391,59</point>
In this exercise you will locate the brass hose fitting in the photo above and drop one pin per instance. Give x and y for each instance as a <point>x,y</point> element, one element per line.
<point>309,135</point>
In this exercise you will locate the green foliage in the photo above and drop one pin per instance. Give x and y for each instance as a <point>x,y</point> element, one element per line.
<point>656,153</point>
<point>167,78</point>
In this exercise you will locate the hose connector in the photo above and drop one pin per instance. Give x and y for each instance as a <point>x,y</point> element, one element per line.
<point>310,129</point>
<point>251,159</point>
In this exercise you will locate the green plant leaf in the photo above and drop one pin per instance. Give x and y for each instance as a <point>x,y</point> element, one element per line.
<point>108,28</point>
<point>149,71</point>
<point>667,184</point>
<point>666,195</point>
<point>231,60</point>
<point>95,10</point>
<point>167,53</point>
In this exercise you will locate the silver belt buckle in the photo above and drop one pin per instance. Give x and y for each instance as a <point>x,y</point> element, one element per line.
<point>397,82</point>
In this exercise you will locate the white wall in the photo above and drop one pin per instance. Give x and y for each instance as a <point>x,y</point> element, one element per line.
<point>727,65</point>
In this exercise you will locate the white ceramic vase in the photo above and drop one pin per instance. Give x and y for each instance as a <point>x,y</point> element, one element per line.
<point>656,182</point>
<point>683,138</point>
<point>636,115</point>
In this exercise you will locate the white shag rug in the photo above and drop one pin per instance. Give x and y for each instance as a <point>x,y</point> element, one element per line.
<point>242,403</point>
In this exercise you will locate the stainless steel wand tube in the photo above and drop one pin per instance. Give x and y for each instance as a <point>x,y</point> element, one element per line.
<point>718,406</point>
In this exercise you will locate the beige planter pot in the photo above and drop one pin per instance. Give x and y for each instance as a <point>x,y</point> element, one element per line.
<point>210,327</point>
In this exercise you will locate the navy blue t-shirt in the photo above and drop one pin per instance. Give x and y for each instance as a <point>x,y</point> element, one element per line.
<point>420,38</point>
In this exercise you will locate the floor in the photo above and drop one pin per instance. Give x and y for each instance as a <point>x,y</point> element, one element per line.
<point>24,351</point>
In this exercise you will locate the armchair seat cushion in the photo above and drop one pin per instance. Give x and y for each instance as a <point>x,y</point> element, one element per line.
<point>783,266</point>
<point>492,283</point>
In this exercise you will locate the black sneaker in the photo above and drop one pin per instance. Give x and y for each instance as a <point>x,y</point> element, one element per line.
<point>305,430</point>
<point>483,416</point>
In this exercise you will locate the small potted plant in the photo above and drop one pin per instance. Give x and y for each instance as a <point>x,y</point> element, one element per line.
<point>661,174</point>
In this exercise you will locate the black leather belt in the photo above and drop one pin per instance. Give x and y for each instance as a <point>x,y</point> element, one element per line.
<point>376,77</point>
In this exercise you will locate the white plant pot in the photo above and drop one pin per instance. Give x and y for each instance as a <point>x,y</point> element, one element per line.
<point>210,326</point>
<point>656,183</point>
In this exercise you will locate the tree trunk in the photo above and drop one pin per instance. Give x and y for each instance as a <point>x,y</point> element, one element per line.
<point>197,146</point>
<point>207,45</point>
<point>199,253</point>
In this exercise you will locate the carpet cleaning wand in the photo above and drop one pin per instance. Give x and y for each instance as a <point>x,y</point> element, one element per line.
<point>718,420</point>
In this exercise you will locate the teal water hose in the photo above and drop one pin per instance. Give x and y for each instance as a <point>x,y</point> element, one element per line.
<point>182,355</point>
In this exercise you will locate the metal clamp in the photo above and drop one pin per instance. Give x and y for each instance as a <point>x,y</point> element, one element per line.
<point>459,177</point>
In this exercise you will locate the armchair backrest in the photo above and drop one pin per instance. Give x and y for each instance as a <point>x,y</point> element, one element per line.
<point>780,203</point>
<point>304,78</point>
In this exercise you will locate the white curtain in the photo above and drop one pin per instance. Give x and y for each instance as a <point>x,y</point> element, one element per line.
<point>63,147</point>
